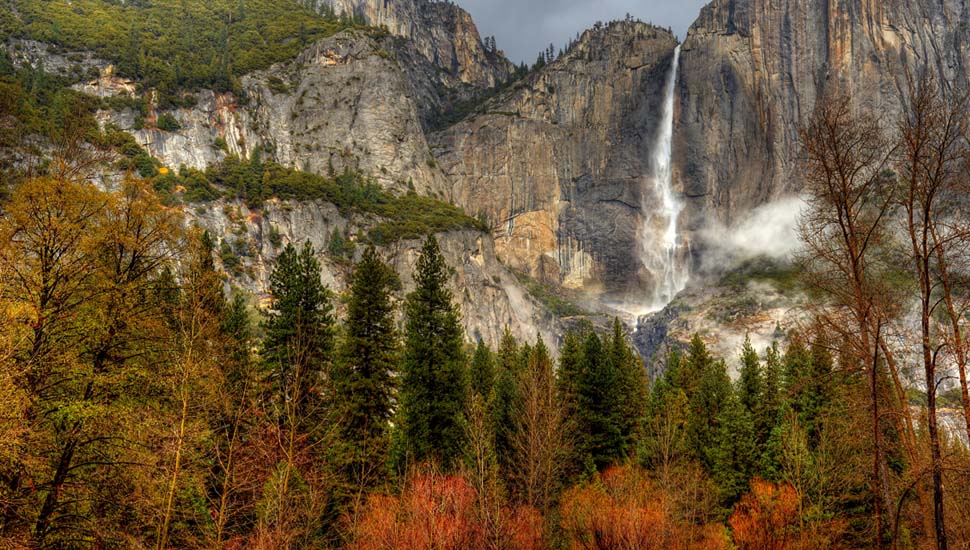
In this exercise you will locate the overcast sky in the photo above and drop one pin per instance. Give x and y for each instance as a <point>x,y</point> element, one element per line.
<point>524,27</point>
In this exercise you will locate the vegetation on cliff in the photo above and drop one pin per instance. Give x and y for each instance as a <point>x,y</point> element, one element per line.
<point>175,45</point>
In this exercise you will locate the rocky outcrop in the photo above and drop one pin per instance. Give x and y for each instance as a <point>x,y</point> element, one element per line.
<point>490,297</point>
<point>723,311</point>
<point>443,32</point>
<point>353,101</point>
<point>557,163</point>
<point>344,102</point>
<point>752,71</point>
<point>52,60</point>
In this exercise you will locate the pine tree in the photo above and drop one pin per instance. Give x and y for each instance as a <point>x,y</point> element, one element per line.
<point>808,373</point>
<point>733,455</point>
<point>336,245</point>
<point>598,414</point>
<point>364,372</point>
<point>767,409</point>
<point>483,372</point>
<point>750,382</point>
<point>567,376</point>
<point>632,390</point>
<point>705,381</point>
<point>298,345</point>
<point>434,385</point>
<point>506,402</point>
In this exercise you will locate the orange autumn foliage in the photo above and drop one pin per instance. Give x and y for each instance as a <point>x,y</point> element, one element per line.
<point>523,528</point>
<point>624,510</point>
<point>440,512</point>
<point>767,518</point>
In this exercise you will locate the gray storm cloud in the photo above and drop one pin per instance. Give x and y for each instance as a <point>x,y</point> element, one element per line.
<point>522,28</point>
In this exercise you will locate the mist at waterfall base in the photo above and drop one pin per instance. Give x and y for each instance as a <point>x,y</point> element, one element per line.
<point>768,231</point>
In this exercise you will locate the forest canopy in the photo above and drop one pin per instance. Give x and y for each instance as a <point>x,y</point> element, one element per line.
<point>175,45</point>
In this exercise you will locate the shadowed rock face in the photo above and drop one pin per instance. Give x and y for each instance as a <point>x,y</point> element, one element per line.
<point>556,164</point>
<point>753,70</point>
<point>443,32</point>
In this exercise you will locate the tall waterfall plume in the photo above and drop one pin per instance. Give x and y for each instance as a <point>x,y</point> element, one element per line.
<point>662,250</point>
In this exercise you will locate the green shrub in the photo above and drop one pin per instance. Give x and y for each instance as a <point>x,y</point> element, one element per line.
<point>167,123</point>
<point>547,296</point>
<point>277,86</point>
<point>274,236</point>
<point>230,260</point>
<point>401,217</point>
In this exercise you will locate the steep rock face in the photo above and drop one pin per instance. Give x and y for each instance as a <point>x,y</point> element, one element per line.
<point>490,297</point>
<point>348,101</point>
<point>557,163</point>
<point>752,71</point>
<point>443,32</point>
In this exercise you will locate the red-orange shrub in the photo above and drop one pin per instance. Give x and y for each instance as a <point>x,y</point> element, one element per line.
<point>434,511</point>
<point>623,510</point>
<point>523,529</point>
<point>766,518</point>
<point>440,512</point>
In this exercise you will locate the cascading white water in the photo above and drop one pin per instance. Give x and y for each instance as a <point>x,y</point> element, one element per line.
<point>662,249</point>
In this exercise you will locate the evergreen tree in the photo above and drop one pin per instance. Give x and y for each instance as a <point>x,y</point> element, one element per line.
<point>506,402</point>
<point>705,381</point>
<point>568,374</point>
<point>750,382</point>
<point>299,332</point>
<point>734,454</point>
<point>336,245</point>
<point>632,390</point>
<point>808,374</point>
<point>237,328</point>
<point>434,385</point>
<point>366,363</point>
<point>483,372</point>
<point>597,415</point>
<point>766,412</point>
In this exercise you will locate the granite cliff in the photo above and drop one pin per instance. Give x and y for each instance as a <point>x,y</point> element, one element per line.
<point>752,71</point>
<point>556,163</point>
<point>444,33</point>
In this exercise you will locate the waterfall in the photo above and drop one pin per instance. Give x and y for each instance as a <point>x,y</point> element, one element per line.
<point>663,251</point>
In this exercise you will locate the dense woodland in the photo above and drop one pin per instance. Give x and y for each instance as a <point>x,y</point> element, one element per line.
<point>143,406</point>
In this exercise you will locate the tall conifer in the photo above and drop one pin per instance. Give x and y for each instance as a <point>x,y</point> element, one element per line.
<point>434,385</point>
<point>364,372</point>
